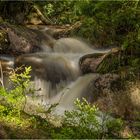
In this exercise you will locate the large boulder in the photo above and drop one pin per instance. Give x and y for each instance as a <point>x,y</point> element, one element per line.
<point>105,83</point>
<point>115,97</point>
<point>90,62</point>
<point>101,62</point>
<point>108,82</point>
<point>16,40</point>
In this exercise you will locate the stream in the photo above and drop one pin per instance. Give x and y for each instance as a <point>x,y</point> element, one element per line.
<point>56,72</point>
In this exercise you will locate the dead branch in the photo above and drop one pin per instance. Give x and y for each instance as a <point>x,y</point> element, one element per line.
<point>43,18</point>
<point>1,73</point>
<point>67,30</point>
<point>73,27</point>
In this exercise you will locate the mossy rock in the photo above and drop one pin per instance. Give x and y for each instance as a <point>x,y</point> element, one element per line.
<point>111,63</point>
<point>101,62</point>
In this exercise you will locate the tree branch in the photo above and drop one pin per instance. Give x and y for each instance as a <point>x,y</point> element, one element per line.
<point>43,18</point>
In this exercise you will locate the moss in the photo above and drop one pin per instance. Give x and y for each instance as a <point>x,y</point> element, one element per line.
<point>120,63</point>
<point>134,61</point>
<point>111,63</point>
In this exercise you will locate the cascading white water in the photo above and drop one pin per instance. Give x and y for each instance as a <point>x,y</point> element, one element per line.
<point>56,74</point>
<point>81,88</point>
<point>51,72</point>
<point>71,45</point>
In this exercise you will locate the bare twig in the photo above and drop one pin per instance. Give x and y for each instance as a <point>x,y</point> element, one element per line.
<point>1,73</point>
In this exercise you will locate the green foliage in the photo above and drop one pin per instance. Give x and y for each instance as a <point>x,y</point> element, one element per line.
<point>16,97</point>
<point>104,23</point>
<point>110,64</point>
<point>13,101</point>
<point>86,122</point>
<point>113,22</point>
<point>60,12</point>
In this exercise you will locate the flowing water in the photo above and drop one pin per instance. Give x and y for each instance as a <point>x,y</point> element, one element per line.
<point>81,88</point>
<point>56,75</point>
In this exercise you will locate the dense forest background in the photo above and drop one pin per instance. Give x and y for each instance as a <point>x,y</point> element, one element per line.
<point>105,23</point>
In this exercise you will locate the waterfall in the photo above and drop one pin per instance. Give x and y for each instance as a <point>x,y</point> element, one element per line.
<point>56,75</point>
<point>81,88</point>
<point>55,69</point>
<point>71,45</point>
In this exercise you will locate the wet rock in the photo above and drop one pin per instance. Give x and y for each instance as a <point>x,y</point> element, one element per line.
<point>100,62</point>
<point>16,40</point>
<point>19,44</point>
<point>108,82</point>
<point>90,62</point>
<point>104,84</point>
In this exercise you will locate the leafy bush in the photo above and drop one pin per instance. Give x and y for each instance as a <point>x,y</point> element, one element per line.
<point>113,22</point>
<point>16,97</point>
<point>84,122</point>
<point>13,101</point>
<point>104,23</point>
<point>87,122</point>
<point>59,12</point>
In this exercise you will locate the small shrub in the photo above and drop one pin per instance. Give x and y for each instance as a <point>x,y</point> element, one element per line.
<point>87,122</point>
<point>16,97</point>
